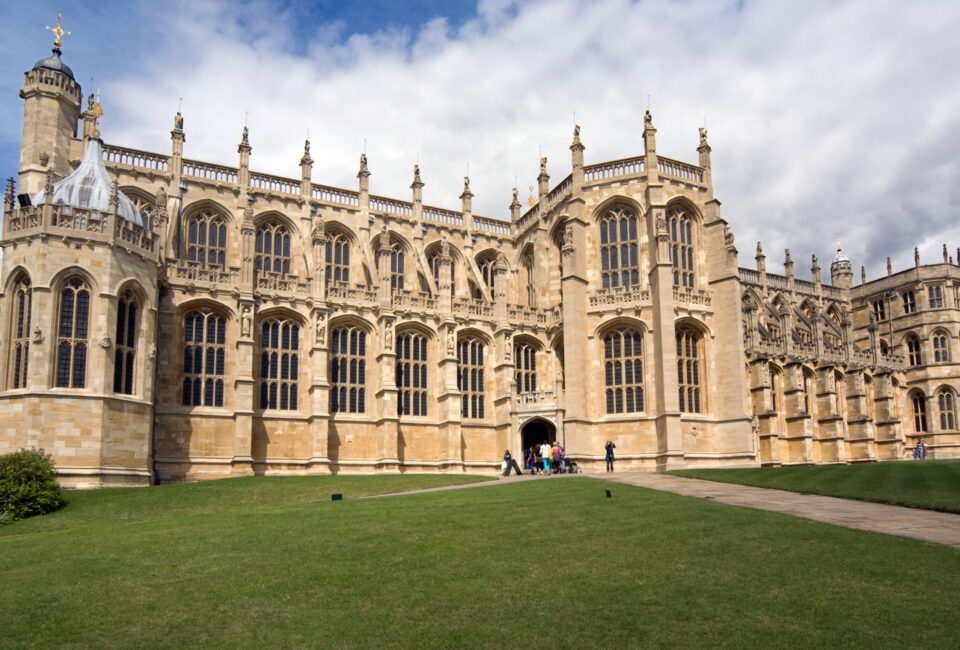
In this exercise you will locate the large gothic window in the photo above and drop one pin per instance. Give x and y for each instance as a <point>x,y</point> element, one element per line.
<point>20,334</point>
<point>914,357</point>
<point>279,364</point>
<point>941,349</point>
<point>919,413</point>
<point>126,343</point>
<point>680,228</point>
<point>204,349</point>
<point>392,261</point>
<point>945,404</point>
<point>619,251</point>
<point>487,264</point>
<point>72,334</point>
<point>688,370</point>
<point>348,370</point>
<point>272,248</point>
<point>412,374</point>
<point>207,239</point>
<point>470,377</point>
<point>623,371</point>
<point>525,363</point>
<point>338,259</point>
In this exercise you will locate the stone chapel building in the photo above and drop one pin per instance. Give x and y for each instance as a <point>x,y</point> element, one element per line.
<point>163,318</point>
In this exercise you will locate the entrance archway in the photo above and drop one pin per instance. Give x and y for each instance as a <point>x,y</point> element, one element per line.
<point>536,431</point>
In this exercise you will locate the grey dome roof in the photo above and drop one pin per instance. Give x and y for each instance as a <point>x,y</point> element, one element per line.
<point>54,62</point>
<point>90,187</point>
<point>841,258</point>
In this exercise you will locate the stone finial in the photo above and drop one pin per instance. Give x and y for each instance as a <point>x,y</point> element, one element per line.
<point>246,136</point>
<point>889,267</point>
<point>543,165</point>
<point>703,137</point>
<point>863,275</point>
<point>305,159</point>
<point>515,206</point>
<point>788,263</point>
<point>958,255</point>
<point>48,186</point>
<point>466,194</point>
<point>576,138</point>
<point>90,102</point>
<point>814,265</point>
<point>364,171</point>
<point>543,178</point>
<point>648,119</point>
<point>177,120</point>
<point>416,178</point>
<point>514,201</point>
<point>761,259</point>
<point>8,196</point>
<point>114,191</point>
<point>916,256</point>
<point>945,254</point>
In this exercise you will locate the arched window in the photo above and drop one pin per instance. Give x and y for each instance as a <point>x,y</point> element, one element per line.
<point>914,357</point>
<point>279,364</point>
<point>396,267</point>
<point>128,311</point>
<point>72,334</point>
<point>776,388</point>
<point>412,374</point>
<point>207,239</point>
<point>945,405</point>
<point>919,412</point>
<point>272,249</point>
<point>808,385</point>
<point>680,227</point>
<point>348,370</point>
<point>20,334</point>
<point>204,349</point>
<point>619,252</point>
<point>525,364</point>
<point>941,347</point>
<point>688,369</point>
<point>623,370</point>
<point>470,377</point>
<point>436,267</point>
<point>486,265</point>
<point>338,259</point>
<point>531,287</point>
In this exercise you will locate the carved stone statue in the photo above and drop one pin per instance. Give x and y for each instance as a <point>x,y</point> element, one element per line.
<point>90,102</point>
<point>161,201</point>
<point>245,321</point>
<point>37,335</point>
<point>321,329</point>
<point>388,335</point>
<point>647,118</point>
<point>703,135</point>
<point>568,238</point>
<point>451,343</point>
<point>543,165</point>
<point>177,121</point>
<point>246,135</point>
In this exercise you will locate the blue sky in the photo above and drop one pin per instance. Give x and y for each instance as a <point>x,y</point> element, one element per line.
<point>827,118</point>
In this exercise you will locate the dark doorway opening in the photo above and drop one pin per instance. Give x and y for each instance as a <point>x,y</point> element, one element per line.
<point>535,432</point>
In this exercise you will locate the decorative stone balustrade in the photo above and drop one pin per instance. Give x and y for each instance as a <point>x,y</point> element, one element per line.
<point>267,281</point>
<point>522,315</point>
<point>439,215</point>
<point>494,226</point>
<point>619,296</point>
<point>560,192</point>
<point>197,272</point>
<point>334,195</point>
<point>134,158</point>
<point>679,170</point>
<point>418,301</point>
<point>278,184</point>
<point>382,204</point>
<point>614,169</point>
<point>344,293</point>
<point>208,172</point>
<point>472,308</point>
<point>691,296</point>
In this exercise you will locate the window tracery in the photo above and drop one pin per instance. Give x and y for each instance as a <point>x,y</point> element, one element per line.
<point>945,404</point>
<point>680,229</point>
<point>20,334</point>
<point>72,334</point>
<point>941,347</point>
<point>623,371</point>
<point>470,377</point>
<point>279,364</point>
<point>919,412</point>
<point>204,351</point>
<point>412,374</point>
<point>619,249</point>
<point>207,239</point>
<point>348,370</point>
<point>337,259</point>
<point>525,367</point>
<point>272,253</point>
<point>126,343</point>
<point>688,369</point>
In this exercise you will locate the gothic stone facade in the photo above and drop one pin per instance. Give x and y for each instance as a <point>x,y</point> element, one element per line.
<point>253,324</point>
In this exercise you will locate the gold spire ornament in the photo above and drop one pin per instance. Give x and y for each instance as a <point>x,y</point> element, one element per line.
<point>96,111</point>
<point>58,31</point>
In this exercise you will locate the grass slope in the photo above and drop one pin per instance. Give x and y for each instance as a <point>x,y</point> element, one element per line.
<point>548,563</point>
<point>931,484</point>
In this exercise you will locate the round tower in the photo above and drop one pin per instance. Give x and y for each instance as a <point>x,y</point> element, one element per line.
<point>51,110</point>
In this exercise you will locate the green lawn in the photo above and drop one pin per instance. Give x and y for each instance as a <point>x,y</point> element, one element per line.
<point>541,563</point>
<point>931,484</point>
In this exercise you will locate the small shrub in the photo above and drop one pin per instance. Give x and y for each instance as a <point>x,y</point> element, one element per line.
<point>28,485</point>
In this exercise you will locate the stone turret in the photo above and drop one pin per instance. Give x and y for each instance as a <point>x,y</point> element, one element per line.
<point>841,270</point>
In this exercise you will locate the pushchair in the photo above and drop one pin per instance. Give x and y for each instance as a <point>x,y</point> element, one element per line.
<point>570,466</point>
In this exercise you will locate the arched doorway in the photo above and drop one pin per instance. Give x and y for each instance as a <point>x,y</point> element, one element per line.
<point>535,431</point>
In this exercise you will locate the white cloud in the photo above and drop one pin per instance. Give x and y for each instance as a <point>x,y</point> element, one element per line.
<point>826,118</point>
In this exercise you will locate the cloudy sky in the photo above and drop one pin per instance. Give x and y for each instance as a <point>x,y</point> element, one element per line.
<point>826,118</point>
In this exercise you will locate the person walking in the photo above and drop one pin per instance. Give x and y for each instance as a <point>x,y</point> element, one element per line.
<point>510,463</point>
<point>555,457</point>
<point>545,454</point>
<point>609,448</point>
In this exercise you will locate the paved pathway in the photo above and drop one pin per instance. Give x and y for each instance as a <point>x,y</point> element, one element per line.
<point>939,527</point>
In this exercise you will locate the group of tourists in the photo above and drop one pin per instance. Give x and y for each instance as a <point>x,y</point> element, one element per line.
<point>920,451</point>
<point>547,458</point>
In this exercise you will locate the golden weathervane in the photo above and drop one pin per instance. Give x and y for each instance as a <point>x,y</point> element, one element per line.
<point>58,31</point>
